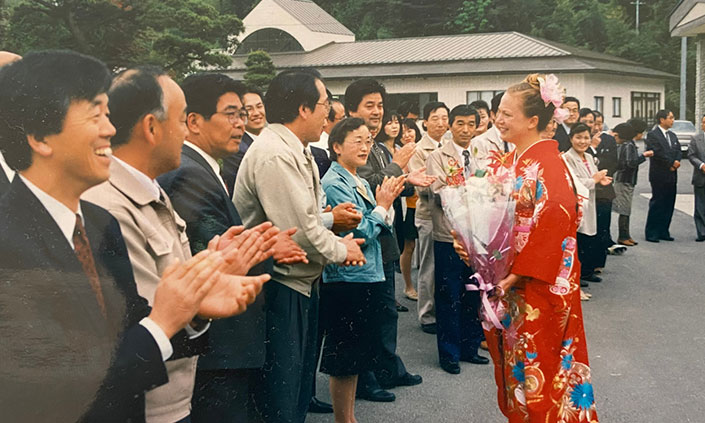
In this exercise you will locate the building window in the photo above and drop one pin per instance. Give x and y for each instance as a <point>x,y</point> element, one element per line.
<point>481,95</point>
<point>645,105</point>
<point>616,106</point>
<point>600,104</point>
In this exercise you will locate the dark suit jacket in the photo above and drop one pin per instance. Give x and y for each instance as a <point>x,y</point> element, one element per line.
<point>231,164</point>
<point>57,349</point>
<point>199,198</point>
<point>606,154</point>
<point>563,139</point>
<point>322,161</point>
<point>4,182</point>
<point>378,166</point>
<point>696,155</point>
<point>665,153</point>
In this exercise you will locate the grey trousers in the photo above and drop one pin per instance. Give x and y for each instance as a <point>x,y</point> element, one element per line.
<point>699,215</point>
<point>426,278</point>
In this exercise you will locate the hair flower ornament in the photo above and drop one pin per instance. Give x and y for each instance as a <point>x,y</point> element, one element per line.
<point>552,92</point>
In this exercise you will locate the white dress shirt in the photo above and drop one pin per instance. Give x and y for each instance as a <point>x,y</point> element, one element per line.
<point>5,168</point>
<point>65,218</point>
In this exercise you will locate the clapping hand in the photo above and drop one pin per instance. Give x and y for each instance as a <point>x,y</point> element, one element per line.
<point>242,249</point>
<point>403,155</point>
<point>230,295</point>
<point>602,178</point>
<point>389,190</point>
<point>286,250</point>
<point>419,178</point>
<point>345,217</point>
<point>355,257</point>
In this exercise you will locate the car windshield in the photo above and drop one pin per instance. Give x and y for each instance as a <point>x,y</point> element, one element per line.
<point>683,126</point>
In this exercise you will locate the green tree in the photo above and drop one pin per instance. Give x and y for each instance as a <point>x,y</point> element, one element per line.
<point>260,70</point>
<point>179,35</point>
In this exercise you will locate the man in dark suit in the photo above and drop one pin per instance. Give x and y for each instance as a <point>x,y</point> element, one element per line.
<point>83,344</point>
<point>572,105</point>
<point>364,98</point>
<point>255,123</point>
<point>696,155</point>
<point>663,176</point>
<point>7,174</point>
<point>215,119</point>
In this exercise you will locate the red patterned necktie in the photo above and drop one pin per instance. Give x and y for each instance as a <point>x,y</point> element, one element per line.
<point>84,255</point>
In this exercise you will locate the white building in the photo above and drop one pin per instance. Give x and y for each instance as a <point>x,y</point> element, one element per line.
<point>454,69</point>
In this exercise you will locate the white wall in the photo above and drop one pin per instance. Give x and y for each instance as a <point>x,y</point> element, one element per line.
<point>609,86</point>
<point>452,89</point>
<point>268,14</point>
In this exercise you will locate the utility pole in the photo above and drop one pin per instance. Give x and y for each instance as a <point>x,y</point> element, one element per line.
<point>637,3</point>
<point>684,62</point>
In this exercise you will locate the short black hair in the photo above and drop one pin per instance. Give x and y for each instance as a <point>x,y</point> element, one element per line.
<point>202,91</point>
<point>340,131</point>
<point>464,110</point>
<point>331,112</point>
<point>638,125</point>
<point>36,93</point>
<point>598,114</point>
<point>432,107</point>
<point>495,102</point>
<point>411,123</point>
<point>134,94</point>
<point>625,131</point>
<point>571,99</point>
<point>480,104</point>
<point>407,107</point>
<point>662,114</point>
<point>359,89</point>
<point>578,128</point>
<point>289,91</point>
<point>584,112</point>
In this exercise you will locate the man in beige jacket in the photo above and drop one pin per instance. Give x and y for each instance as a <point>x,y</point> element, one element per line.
<point>436,121</point>
<point>147,108</point>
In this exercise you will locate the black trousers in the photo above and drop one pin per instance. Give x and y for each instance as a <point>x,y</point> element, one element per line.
<point>603,209</point>
<point>459,331</point>
<point>699,215</point>
<point>284,390</point>
<point>590,253</point>
<point>224,395</point>
<point>388,364</point>
<point>663,200</point>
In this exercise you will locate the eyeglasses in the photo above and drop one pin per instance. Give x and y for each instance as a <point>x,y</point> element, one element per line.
<point>235,115</point>
<point>326,105</point>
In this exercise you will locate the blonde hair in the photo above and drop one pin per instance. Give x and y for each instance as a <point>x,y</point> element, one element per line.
<point>529,90</point>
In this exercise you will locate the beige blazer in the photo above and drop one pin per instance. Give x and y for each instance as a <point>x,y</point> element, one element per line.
<point>483,144</point>
<point>276,183</point>
<point>583,176</point>
<point>424,148</point>
<point>447,165</point>
<point>155,236</point>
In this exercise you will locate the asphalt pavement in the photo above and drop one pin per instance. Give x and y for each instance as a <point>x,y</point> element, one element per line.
<point>645,329</point>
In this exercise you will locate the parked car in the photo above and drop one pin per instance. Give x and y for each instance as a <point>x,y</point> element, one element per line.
<point>684,129</point>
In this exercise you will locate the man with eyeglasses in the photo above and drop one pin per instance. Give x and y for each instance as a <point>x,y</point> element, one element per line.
<point>215,118</point>
<point>254,124</point>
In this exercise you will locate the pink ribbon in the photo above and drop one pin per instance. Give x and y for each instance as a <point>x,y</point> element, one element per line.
<point>484,287</point>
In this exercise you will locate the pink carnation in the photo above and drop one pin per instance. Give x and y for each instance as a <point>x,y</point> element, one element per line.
<point>551,91</point>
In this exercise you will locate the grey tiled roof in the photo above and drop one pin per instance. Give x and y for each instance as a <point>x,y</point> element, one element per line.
<point>313,17</point>
<point>458,54</point>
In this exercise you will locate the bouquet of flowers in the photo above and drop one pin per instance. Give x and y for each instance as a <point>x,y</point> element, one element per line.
<point>480,208</point>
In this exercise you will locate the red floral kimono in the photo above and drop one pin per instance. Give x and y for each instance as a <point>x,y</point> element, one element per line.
<point>540,358</point>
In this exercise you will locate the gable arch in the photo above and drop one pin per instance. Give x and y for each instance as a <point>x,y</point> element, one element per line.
<point>271,40</point>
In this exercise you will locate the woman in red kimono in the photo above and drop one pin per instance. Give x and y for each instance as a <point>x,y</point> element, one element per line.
<point>540,357</point>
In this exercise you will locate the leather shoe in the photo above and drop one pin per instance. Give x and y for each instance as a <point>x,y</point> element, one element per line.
<point>667,238</point>
<point>429,328</point>
<point>476,359</point>
<point>407,380</point>
<point>376,395</point>
<point>583,283</point>
<point>591,278</point>
<point>652,239</point>
<point>700,239</point>
<point>452,368</point>
<point>401,308</point>
<point>319,407</point>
